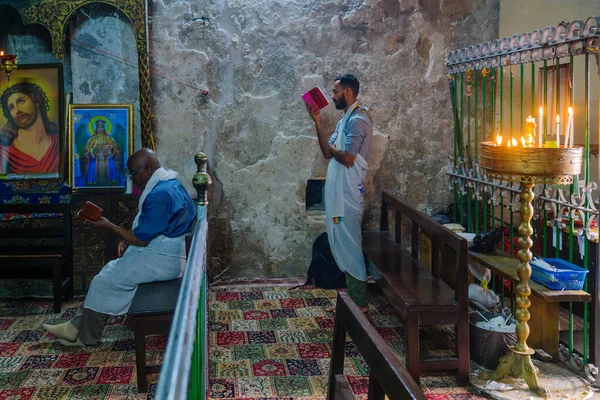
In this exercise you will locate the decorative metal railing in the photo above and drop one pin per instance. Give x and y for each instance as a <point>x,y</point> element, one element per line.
<point>495,86</point>
<point>184,373</point>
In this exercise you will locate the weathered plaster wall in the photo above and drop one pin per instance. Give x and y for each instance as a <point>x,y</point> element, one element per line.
<point>256,58</point>
<point>103,56</point>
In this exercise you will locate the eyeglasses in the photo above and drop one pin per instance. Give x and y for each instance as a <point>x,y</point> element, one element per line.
<point>131,174</point>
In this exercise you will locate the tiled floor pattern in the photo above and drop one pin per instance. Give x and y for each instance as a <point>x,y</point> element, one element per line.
<point>274,343</point>
<point>33,366</point>
<point>265,343</point>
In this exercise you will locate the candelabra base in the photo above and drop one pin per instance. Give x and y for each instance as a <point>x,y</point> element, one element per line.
<point>519,365</point>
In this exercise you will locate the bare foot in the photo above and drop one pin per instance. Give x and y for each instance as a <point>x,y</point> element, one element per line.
<point>330,309</point>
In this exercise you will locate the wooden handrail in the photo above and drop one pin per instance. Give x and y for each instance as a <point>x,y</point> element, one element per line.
<point>387,375</point>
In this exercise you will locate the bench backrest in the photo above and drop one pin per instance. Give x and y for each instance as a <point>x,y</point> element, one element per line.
<point>32,229</point>
<point>387,374</point>
<point>442,240</point>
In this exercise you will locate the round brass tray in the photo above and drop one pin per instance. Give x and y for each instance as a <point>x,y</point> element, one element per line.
<point>531,164</point>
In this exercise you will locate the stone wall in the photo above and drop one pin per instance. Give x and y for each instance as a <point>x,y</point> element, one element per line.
<point>256,57</point>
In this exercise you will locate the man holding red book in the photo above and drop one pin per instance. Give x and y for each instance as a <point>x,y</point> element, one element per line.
<point>348,150</point>
<point>153,250</point>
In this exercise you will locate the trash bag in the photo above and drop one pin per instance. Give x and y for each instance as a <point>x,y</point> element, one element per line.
<point>323,271</point>
<point>483,296</point>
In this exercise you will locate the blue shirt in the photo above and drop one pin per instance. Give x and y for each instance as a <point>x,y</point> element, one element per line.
<point>358,135</point>
<point>168,210</point>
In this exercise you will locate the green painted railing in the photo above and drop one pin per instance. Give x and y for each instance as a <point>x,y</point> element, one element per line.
<point>184,370</point>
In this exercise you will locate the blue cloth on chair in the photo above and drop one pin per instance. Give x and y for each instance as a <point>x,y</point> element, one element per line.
<point>33,191</point>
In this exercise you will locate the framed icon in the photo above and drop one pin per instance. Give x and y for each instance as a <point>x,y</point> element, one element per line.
<point>31,122</point>
<point>100,142</point>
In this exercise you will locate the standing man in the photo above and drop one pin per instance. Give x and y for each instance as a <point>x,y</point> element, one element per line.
<point>29,140</point>
<point>153,250</point>
<point>350,147</point>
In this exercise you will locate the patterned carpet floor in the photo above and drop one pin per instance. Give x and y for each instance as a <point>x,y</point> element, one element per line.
<point>33,366</point>
<point>274,343</point>
<point>265,343</point>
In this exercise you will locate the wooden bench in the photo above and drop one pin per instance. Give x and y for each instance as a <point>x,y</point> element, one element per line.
<point>544,309</point>
<point>152,310</point>
<point>33,248</point>
<point>387,374</point>
<point>421,295</point>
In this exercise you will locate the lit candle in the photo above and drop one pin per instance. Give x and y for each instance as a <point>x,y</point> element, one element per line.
<point>558,130</point>
<point>1,53</point>
<point>498,139</point>
<point>513,141</point>
<point>541,133</point>
<point>570,139</point>
<point>523,141</point>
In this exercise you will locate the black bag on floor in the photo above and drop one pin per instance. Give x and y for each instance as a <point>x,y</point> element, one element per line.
<point>323,271</point>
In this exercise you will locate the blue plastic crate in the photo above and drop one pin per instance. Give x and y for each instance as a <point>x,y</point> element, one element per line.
<point>555,280</point>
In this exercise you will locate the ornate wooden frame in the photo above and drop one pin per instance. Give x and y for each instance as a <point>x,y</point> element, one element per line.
<point>54,15</point>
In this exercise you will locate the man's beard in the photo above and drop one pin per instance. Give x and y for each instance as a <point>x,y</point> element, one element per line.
<point>25,121</point>
<point>341,103</point>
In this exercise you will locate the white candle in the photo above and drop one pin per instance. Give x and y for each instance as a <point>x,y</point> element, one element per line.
<point>570,128</point>
<point>129,187</point>
<point>540,130</point>
<point>558,130</point>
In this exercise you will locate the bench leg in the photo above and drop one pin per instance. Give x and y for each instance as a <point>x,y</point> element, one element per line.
<point>544,326</point>
<point>375,390</point>
<point>413,362</point>
<point>462,348</point>
<point>338,351</point>
<point>139,333</point>
<point>69,274</point>
<point>57,290</point>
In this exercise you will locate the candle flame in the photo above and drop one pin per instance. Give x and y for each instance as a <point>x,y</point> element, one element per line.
<point>498,139</point>
<point>571,111</point>
<point>514,142</point>
<point>523,141</point>
<point>557,118</point>
<point>541,111</point>
<point>1,53</point>
<point>508,143</point>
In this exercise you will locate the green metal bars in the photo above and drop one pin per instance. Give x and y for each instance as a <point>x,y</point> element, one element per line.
<point>573,209</point>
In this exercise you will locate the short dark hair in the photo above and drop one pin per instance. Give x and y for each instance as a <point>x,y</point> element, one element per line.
<point>349,81</point>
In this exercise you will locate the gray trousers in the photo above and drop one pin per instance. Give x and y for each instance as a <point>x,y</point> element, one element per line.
<point>90,324</point>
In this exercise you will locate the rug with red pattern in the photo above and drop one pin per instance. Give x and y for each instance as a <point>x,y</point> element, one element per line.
<point>275,343</point>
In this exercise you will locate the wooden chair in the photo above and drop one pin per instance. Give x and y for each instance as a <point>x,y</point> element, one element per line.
<point>34,250</point>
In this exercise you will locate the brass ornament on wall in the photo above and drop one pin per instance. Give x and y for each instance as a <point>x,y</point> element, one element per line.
<point>54,16</point>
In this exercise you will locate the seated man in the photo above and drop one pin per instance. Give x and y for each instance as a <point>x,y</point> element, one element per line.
<point>154,250</point>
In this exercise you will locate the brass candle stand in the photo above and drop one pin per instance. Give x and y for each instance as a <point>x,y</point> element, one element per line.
<point>527,166</point>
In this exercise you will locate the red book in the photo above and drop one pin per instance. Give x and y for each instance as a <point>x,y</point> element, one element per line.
<point>89,211</point>
<point>315,99</point>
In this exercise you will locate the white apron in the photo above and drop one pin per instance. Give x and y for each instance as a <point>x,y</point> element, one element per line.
<point>344,198</point>
<point>112,290</point>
